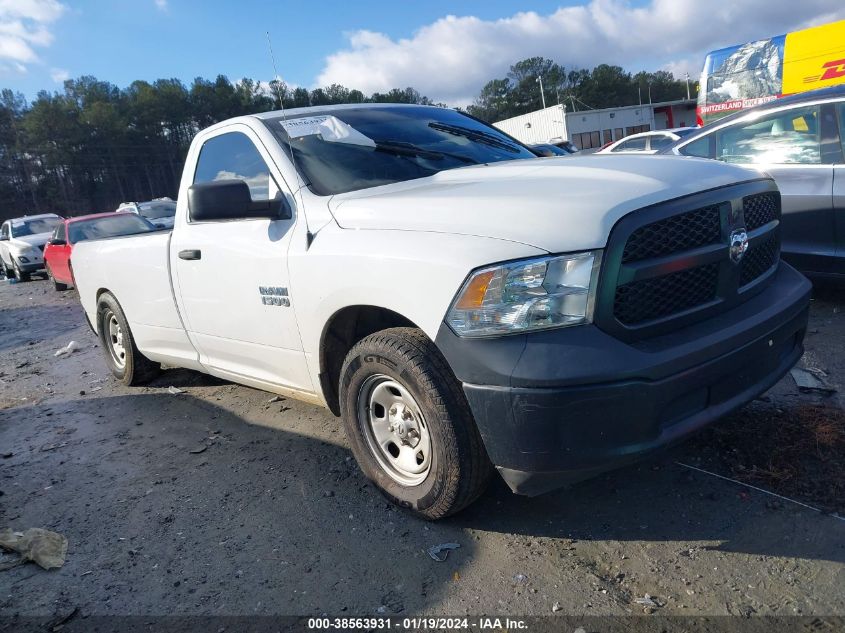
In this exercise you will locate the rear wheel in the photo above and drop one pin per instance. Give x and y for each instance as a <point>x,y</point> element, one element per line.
<point>409,425</point>
<point>122,356</point>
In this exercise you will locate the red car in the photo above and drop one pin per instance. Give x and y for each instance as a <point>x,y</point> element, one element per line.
<point>86,227</point>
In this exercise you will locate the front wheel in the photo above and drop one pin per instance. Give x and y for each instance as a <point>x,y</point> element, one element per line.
<point>19,274</point>
<point>409,425</point>
<point>122,356</point>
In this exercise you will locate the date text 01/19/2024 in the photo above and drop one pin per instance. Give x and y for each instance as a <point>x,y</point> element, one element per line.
<point>417,624</point>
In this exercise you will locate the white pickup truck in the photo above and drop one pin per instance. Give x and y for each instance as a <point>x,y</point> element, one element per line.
<point>460,303</point>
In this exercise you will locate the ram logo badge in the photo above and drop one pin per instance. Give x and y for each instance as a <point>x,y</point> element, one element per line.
<point>274,296</point>
<point>739,244</point>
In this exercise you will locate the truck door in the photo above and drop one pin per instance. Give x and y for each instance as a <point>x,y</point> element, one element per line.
<point>231,276</point>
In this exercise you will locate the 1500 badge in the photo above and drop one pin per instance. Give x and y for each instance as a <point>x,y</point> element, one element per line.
<point>274,296</point>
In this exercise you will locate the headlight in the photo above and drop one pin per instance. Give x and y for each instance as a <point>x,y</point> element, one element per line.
<point>23,259</point>
<point>532,294</point>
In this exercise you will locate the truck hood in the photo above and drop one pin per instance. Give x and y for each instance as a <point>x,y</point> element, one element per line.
<point>25,241</point>
<point>555,204</point>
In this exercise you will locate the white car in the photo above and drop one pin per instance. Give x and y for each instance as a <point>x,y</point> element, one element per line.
<point>647,142</point>
<point>457,304</point>
<point>22,242</point>
<point>160,211</point>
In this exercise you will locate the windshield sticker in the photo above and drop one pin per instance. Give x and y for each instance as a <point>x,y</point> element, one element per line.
<point>327,127</point>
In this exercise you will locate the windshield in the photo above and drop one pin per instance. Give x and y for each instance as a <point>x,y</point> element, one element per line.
<point>111,226</point>
<point>34,226</point>
<point>156,210</point>
<point>350,149</point>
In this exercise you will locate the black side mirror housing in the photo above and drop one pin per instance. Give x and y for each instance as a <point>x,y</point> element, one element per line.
<point>58,242</point>
<point>231,200</point>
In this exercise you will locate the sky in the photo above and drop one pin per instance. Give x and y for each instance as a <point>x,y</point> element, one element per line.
<point>446,50</point>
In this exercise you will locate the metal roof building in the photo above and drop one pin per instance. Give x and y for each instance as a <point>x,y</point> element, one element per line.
<point>594,128</point>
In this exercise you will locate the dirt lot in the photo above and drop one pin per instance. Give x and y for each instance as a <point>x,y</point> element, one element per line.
<point>216,501</point>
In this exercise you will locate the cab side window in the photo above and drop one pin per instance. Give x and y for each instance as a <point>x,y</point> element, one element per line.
<point>661,141</point>
<point>4,232</point>
<point>787,137</point>
<point>60,232</point>
<point>233,156</point>
<point>635,144</point>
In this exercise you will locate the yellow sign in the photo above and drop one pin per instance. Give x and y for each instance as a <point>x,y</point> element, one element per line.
<point>814,58</point>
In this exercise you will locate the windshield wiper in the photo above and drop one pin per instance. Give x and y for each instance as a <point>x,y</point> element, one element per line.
<point>474,135</point>
<point>404,148</point>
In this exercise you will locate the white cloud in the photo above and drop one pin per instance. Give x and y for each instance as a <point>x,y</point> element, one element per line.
<point>452,58</point>
<point>161,5</point>
<point>24,26</point>
<point>59,75</point>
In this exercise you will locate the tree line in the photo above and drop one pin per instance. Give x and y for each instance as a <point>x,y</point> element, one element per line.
<point>93,145</point>
<point>577,88</point>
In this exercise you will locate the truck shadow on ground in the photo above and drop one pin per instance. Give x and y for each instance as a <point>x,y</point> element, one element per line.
<point>653,500</point>
<point>173,504</point>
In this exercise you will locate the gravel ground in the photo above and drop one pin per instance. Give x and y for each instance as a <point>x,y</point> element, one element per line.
<point>218,502</point>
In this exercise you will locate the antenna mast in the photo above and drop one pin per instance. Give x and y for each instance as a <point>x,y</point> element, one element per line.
<point>275,73</point>
<point>309,237</point>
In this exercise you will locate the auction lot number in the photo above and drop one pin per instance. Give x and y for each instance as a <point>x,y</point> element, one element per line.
<point>405,624</point>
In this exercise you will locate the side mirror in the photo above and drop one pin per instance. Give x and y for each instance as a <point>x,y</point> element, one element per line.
<point>58,242</point>
<point>231,200</point>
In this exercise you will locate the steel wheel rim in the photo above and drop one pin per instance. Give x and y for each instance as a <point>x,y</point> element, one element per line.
<point>114,339</point>
<point>395,430</point>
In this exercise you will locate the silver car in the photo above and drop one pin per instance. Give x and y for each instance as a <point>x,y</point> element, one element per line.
<point>799,141</point>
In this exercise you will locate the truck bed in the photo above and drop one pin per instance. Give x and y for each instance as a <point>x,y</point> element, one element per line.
<point>136,269</point>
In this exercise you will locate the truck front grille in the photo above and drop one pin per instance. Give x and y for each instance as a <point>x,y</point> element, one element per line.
<point>674,234</point>
<point>671,264</point>
<point>759,259</point>
<point>761,209</point>
<point>661,296</point>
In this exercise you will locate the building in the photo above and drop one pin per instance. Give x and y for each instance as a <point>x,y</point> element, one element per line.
<point>595,128</point>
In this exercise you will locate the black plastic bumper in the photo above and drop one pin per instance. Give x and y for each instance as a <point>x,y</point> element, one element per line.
<point>32,267</point>
<point>560,406</point>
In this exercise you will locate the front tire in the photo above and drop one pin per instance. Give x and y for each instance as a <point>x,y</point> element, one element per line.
<point>20,275</point>
<point>409,424</point>
<point>122,356</point>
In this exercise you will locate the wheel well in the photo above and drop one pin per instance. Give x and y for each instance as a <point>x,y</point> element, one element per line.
<point>342,332</point>
<point>95,327</point>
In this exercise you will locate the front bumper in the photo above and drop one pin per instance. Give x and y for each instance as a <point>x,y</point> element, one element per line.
<point>559,406</point>
<point>31,267</point>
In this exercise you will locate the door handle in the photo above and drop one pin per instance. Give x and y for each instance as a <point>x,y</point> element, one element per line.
<point>190,254</point>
